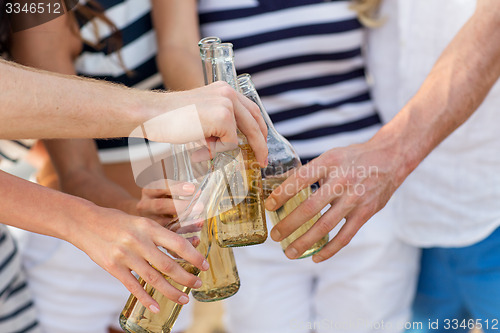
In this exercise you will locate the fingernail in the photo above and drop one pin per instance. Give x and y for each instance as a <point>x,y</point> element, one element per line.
<point>154,309</point>
<point>291,253</point>
<point>197,284</point>
<point>188,187</point>
<point>317,258</point>
<point>183,299</point>
<point>205,266</point>
<point>270,204</point>
<point>275,235</point>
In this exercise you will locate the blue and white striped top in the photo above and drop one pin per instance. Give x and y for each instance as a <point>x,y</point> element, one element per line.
<point>138,53</point>
<point>305,57</point>
<point>133,19</point>
<point>14,150</point>
<point>17,309</point>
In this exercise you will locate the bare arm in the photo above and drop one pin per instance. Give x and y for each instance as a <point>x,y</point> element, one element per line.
<point>79,108</point>
<point>67,106</point>
<point>116,241</point>
<point>81,174</point>
<point>59,106</point>
<point>177,31</point>
<point>53,47</point>
<point>132,245</point>
<point>456,86</point>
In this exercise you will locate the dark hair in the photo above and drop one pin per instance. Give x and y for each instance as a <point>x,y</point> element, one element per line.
<point>82,13</point>
<point>92,10</point>
<point>5,31</point>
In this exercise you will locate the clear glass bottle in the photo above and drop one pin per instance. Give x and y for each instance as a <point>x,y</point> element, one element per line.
<point>221,280</point>
<point>193,224</point>
<point>242,216</point>
<point>282,160</point>
<point>136,318</point>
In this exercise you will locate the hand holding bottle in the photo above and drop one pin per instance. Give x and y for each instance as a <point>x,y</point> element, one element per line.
<point>213,112</point>
<point>128,244</point>
<point>357,181</point>
<point>283,161</point>
<point>158,202</point>
<point>194,225</point>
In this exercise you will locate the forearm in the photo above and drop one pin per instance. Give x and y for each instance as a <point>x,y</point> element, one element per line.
<point>80,173</point>
<point>180,69</point>
<point>117,242</point>
<point>100,190</point>
<point>38,209</point>
<point>32,101</point>
<point>456,86</point>
<point>177,33</point>
<point>454,89</point>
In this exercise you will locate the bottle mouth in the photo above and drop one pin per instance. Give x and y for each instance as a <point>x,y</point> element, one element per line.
<point>211,48</point>
<point>209,41</point>
<point>223,51</point>
<point>207,46</point>
<point>245,82</point>
<point>244,78</point>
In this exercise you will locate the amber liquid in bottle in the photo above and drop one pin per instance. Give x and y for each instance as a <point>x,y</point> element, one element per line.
<point>221,280</point>
<point>269,185</point>
<point>242,221</point>
<point>136,318</point>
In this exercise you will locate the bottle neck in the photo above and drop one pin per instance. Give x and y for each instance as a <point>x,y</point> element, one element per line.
<point>247,88</point>
<point>218,64</point>
<point>267,119</point>
<point>206,46</point>
<point>282,157</point>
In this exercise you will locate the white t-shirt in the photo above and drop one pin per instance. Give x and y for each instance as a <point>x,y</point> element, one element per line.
<point>453,197</point>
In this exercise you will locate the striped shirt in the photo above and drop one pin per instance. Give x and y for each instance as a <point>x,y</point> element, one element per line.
<point>14,150</point>
<point>17,311</point>
<point>305,58</point>
<point>137,56</point>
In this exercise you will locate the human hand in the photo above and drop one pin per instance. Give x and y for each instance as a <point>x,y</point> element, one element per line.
<point>158,204</point>
<point>214,113</point>
<point>121,243</point>
<point>357,181</point>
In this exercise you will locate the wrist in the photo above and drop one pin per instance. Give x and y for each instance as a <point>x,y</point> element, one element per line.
<point>130,207</point>
<point>82,217</point>
<point>394,144</point>
<point>144,105</point>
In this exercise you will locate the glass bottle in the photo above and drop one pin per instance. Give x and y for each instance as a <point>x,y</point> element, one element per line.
<point>221,280</point>
<point>136,318</point>
<point>282,160</point>
<point>242,216</point>
<point>193,224</point>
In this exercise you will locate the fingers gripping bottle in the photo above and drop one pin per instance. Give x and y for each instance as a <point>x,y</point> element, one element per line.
<point>282,160</point>
<point>194,225</point>
<point>241,220</point>
<point>136,318</point>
